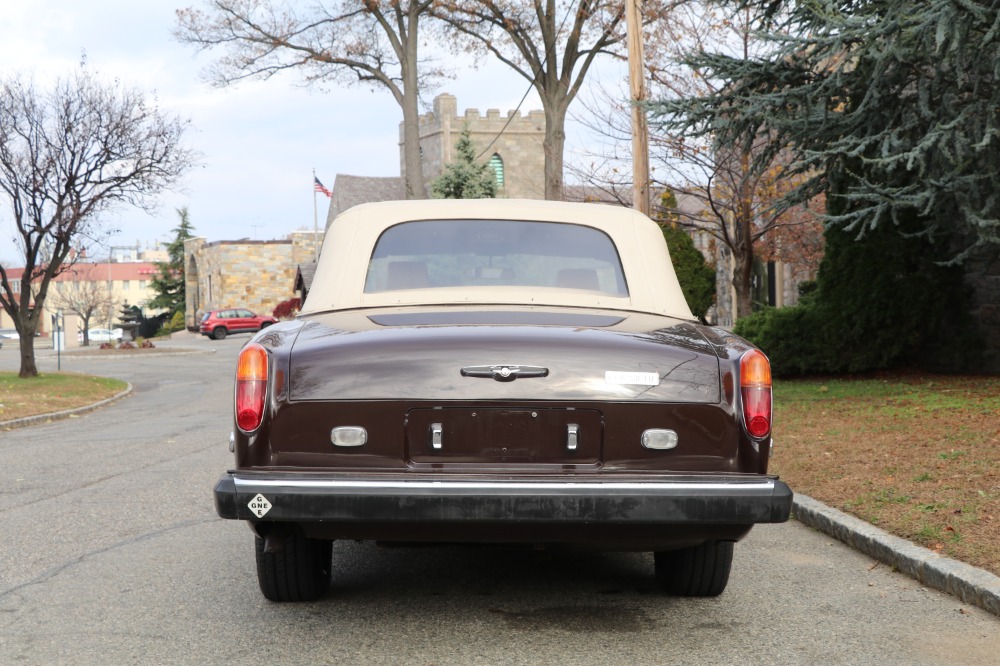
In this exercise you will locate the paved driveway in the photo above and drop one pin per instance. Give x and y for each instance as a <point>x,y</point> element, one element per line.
<point>112,554</point>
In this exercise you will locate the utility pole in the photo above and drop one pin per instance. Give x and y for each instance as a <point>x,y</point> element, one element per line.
<point>637,94</point>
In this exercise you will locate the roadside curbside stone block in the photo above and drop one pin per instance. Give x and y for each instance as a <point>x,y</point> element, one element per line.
<point>970,584</point>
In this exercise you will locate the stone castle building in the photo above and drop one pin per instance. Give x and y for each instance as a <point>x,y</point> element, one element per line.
<point>511,144</point>
<point>256,275</point>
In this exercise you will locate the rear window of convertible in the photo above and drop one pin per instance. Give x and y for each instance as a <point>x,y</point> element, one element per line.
<point>431,254</point>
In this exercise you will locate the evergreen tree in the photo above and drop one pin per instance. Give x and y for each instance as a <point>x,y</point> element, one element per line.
<point>465,178</point>
<point>696,276</point>
<point>893,109</point>
<point>169,281</point>
<point>902,96</point>
<point>881,302</point>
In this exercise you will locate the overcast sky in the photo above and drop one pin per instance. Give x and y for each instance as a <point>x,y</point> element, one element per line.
<point>260,140</point>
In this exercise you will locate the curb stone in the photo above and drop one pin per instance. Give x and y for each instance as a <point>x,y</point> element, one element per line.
<point>968,583</point>
<point>54,416</point>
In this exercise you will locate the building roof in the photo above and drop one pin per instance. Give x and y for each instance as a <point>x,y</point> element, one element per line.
<point>304,277</point>
<point>349,191</point>
<point>99,272</point>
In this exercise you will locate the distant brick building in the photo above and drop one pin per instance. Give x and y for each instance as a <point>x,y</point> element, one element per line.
<point>110,285</point>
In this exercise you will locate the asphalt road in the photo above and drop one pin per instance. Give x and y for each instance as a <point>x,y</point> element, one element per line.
<point>112,554</point>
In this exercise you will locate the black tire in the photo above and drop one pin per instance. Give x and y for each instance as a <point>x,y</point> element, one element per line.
<point>300,573</point>
<point>219,333</point>
<point>264,325</point>
<point>698,571</point>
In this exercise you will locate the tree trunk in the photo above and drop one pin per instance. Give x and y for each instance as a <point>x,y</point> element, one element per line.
<point>554,143</point>
<point>743,251</point>
<point>415,188</point>
<point>742,282</point>
<point>28,366</point>
<point>411,149</point>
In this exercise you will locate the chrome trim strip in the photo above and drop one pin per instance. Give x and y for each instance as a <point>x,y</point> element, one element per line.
<point>499,485</point>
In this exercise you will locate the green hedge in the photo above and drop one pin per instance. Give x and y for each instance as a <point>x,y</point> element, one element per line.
<point>791,338</point>
<point>884,301</point>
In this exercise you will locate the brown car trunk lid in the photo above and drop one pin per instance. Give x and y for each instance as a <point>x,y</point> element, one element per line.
<point>429,356</point>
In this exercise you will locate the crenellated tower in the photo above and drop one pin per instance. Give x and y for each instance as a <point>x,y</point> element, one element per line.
<point>511,144</point>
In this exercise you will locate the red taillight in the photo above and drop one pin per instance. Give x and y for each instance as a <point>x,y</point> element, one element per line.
<point>755,387</point>
<point>251,386</point>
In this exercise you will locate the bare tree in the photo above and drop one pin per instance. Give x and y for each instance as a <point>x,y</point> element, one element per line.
<point>371,42</point>
<point>729,193</point>
<point>87,293</point>
<point>66,156</point>
<point>551,44</point>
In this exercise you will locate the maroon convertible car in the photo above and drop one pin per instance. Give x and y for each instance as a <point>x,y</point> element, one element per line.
<point>499,371</point>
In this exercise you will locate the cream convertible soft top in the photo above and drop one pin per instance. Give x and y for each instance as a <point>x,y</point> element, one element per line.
<point>343,264</point>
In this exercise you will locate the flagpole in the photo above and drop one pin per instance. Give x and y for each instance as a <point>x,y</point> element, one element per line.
<point>315,222</point>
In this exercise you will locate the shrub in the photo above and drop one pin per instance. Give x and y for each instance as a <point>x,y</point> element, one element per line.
<point>791,337</point>
<point>287,309</point>
<point>887,300</point>
<point>176,323</point>
<point>881,302</point>
<point>695,275</point>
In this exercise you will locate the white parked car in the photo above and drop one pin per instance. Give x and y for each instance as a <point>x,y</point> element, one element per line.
<point>101,335</point>
<point>9,334</point>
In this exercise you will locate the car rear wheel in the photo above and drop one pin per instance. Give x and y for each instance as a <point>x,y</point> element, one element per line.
<point>698,571</point>
<point>219,333</point>
<point>299,572</point>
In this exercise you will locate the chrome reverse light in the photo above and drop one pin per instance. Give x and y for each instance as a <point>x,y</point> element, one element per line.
<point>348,436</point>
<point>659,439</point>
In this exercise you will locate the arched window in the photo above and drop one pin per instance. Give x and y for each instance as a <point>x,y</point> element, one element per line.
<point>496,163</point>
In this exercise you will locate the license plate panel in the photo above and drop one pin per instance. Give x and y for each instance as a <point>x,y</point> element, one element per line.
<point>504,435</point>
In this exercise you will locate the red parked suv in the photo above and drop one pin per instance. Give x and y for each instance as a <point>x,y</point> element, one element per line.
<point>217,324</point>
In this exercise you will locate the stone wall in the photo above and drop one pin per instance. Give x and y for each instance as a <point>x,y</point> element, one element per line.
<point>256,275</point>
<point>516,138</point>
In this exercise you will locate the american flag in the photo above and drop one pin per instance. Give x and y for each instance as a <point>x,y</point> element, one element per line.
<point>318,187</point>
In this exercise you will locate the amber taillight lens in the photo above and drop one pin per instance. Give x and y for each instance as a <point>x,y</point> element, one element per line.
<point>755,388</point>
<point>251,386</point>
